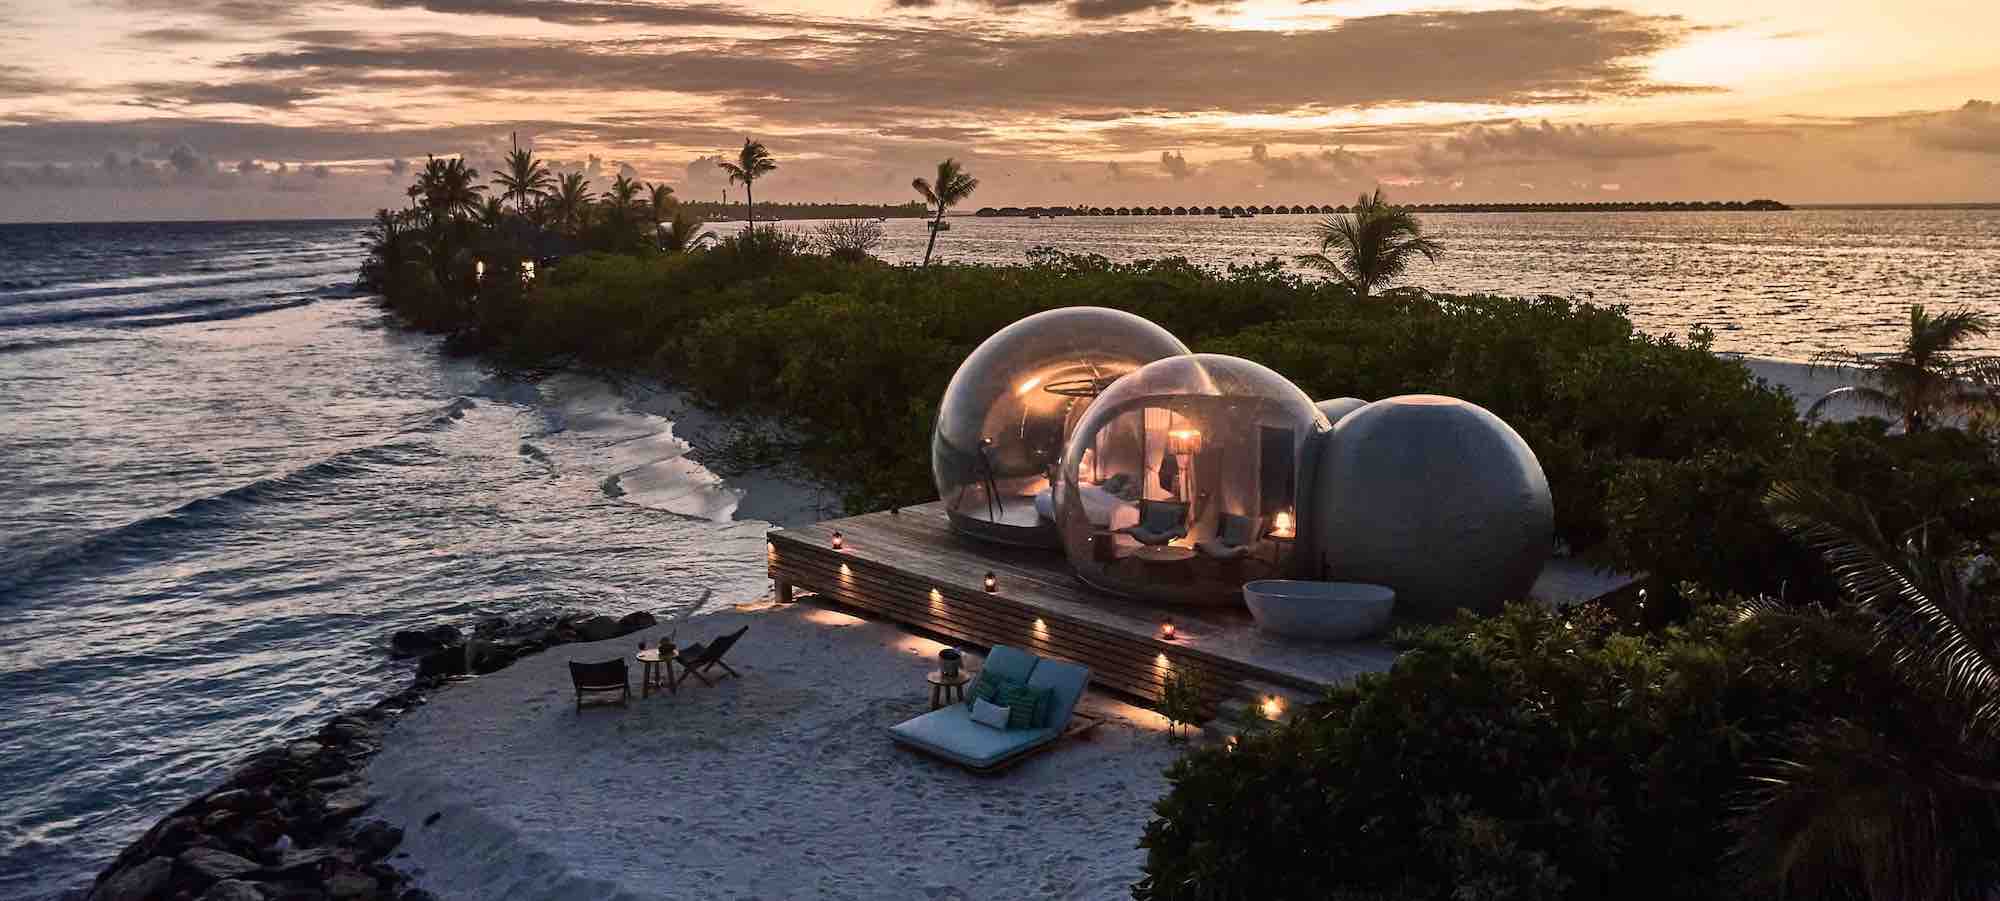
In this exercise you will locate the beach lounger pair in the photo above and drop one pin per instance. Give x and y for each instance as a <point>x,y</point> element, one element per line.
<point>595,681</point>
<point>950,732</point>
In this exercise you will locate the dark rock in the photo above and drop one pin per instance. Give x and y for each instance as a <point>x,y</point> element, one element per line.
<point>448,662</point>
<point>341,731</point>
<point>304,866</point>
<point>375,839</point>
<point>233,890</point>
<point>435,816</point>
<point>298,892</point>
<point>303,750</point>
<point>231,799</point>
<point>636,620</point>
<point>220,821</point>
<point>416,894</point>
<point>598,628</point>
<point>346,803</point>
<point>418,642</point>
<point>331,783</point>
<point>352,885</point>
<point>137,883</point>
<point>492,625</point>
<point>214,865</point>
<point>176,834</point>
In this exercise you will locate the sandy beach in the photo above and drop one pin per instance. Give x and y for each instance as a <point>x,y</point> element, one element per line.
<point>780,784</point>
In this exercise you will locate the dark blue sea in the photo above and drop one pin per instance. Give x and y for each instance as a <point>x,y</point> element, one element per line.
<point>226,477</point>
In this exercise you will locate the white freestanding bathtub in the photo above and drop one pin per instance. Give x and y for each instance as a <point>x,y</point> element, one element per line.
<point>1332,611</point>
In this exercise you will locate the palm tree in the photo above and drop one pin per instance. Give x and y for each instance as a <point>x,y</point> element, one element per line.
<point>447,188</point>
<point>752,162</point>
<point>391,244</point>
<point>1371,246</point>
<point>1898,798</point>
<point>660,198</point>
<point>624,193</point>
<point>1926,381</point>
<point>571,201</point>
<point>953,186</point>
<point>490,212</point>
<point>526,178</point>
<point>682,233</point>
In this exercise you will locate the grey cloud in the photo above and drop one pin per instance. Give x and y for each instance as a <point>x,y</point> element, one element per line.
<point>267,94</point>
<point>1176,164</point>
<point>18,81</point>
<point>1107,9</point>
<point>1602,145</point>
<point>1335,163</point>
<point>1972,128</point>
<point>594,12</point>
<point>185,159</point>
<point>884,76</point>
<point>180,36</point>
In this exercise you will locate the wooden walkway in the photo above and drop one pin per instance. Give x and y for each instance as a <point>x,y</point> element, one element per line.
<point>910,567</point>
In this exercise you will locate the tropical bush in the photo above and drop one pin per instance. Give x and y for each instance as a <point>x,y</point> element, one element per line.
<point>1520,756</point>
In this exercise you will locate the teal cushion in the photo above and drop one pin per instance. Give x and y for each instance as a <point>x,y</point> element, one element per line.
<point>1027,708</point>
<point>986,688</point>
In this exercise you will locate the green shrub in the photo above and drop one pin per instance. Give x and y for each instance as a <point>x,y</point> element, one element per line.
<point>1520,756</point>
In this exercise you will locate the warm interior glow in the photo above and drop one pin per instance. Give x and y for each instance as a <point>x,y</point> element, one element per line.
<point>1022,389</point>
<point>992,582</point>
<point>1273,707</point>
<point>839,541</point>
<point>1167,630</point>
<point>1282,526</point>
<point>1184,441</point>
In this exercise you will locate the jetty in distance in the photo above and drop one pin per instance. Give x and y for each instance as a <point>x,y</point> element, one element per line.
<point>1247,210</point>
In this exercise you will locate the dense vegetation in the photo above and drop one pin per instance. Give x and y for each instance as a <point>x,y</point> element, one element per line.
<point>1828,730</point>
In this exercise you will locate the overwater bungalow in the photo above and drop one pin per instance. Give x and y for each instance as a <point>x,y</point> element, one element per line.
<point>1124,211</point>
<point>1208,211</point>
<point>1180,211</point>
<point>1312,208</point>
<point>1297,210</point>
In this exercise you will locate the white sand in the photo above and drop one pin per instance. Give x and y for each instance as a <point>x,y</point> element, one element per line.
<point>1807,385</point>
<point>781,784</point>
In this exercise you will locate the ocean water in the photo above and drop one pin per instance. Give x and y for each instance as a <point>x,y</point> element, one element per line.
<point>228,479</point>
<point>1783,285</point>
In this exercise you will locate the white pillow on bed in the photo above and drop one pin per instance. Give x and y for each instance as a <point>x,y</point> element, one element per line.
<point>987,713</point>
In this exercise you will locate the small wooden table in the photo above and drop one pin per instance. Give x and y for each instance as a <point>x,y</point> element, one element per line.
<point>657,672</point>
<point>945,689</point>
<point>1164,553</point>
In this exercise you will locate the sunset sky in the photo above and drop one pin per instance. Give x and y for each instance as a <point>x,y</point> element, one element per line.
<point>132,109</point>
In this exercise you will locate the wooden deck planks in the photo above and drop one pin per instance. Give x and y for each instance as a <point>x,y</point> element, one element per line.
<point>910,567</point>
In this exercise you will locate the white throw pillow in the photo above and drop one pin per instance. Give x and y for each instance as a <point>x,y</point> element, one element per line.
<point>987,713</point>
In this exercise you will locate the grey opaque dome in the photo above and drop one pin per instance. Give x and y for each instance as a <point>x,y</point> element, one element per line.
<point>1434,497</point>
<point>1007,413</point>
<point>1180,482</point>
<point>1339,407</point>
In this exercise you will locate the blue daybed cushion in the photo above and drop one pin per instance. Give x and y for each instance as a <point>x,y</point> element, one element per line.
<point>1010,664</point>
<point>950,733</point>
<point>1067,682</point>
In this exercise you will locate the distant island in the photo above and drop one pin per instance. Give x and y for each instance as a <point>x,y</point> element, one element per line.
<point>708,210</point>
<point>1654,206</point>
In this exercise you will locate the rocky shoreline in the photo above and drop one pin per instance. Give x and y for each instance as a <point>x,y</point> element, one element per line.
<point>288,823</point>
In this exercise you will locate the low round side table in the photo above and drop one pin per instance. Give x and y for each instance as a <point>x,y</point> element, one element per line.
<point>946,689</point>
<point>653,676</point>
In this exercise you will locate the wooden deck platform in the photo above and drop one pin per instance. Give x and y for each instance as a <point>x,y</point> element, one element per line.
<point>910,567</point>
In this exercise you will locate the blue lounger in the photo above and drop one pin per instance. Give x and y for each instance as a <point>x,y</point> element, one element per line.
<point>950,733</point>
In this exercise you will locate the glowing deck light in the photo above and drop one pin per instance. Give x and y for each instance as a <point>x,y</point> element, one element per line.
<point>1168,632</point>
<point>1273,707</point>
<point>991,582</point>
<point>839,541</point>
